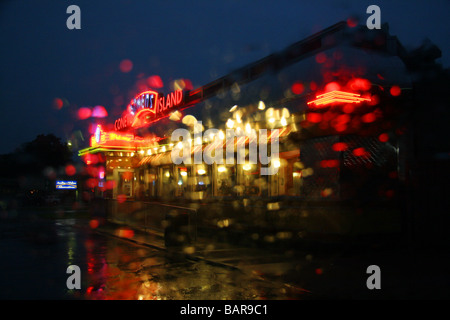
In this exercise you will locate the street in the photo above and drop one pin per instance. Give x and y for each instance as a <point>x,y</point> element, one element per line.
<point>36,254</point>
<point>36,251</point>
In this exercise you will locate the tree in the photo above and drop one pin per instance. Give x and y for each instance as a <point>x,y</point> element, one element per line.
<point>32,158</point>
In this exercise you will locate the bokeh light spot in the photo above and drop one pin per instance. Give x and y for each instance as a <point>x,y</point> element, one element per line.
<point>155,81</point>
<point>126,65</point>
<point>297,88</point>
<point>396,91</point>
<point>352,22</point>
<point>84,113</point>
<point>321,57</point>
<point>368,117</point>
<point>121,198</point>
<point>314,117</point>
<point>99,112</point>
<point>360,152</point>
<point>58,103</point>
<point>340,146</point>
<point>332,86</point>
<point>70,170</point>
<point>384,137</point>
<point>93,223</point>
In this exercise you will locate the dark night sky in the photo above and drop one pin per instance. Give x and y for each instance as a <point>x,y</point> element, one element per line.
<point>198,40</point>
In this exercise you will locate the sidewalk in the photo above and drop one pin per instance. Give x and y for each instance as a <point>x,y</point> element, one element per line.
<point>214,252</point>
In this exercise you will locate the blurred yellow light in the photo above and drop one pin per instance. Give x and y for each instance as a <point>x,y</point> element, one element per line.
<point>201,171</point>
<point>283,121</point>
<point>261,105</point>
<point>183,173</point>
<point>276,163</point>
<point>233,108</point>
<point>248,128</point>
<point>247,167</point>
<point>230,124</point>
<point>222,169</point>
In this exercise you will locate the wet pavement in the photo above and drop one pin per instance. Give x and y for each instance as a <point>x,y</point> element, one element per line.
<point>36,253</point>
<point>117,262</point>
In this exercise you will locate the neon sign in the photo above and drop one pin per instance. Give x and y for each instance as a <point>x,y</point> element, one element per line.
<point>66,184</point>
<point>101,137</point>
<point>337,96</point>
<point>147,107</point>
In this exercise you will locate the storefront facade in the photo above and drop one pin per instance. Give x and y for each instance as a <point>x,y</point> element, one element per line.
<point>330,103</point>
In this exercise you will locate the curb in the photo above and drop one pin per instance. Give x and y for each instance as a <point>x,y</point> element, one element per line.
<point>168,250</point>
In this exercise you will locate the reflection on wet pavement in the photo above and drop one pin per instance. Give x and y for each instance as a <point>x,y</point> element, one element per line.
<point>121,270</point>
<point>37,252</point>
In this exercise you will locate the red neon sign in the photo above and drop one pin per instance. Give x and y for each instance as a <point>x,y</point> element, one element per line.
<point>337,96</point>
<point>115,139</point>
<point>101,137</point>
<point>147,107</point>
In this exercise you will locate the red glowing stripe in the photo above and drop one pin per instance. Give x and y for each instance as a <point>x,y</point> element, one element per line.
<point>338,96</point>
<point>115,139</point>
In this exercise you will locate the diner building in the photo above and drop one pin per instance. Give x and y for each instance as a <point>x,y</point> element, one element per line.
<point>332,106</point>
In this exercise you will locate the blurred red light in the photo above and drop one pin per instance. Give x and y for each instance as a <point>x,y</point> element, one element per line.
<point>368,117</point>
<point>314,117</point>
<point>99,112</point>
<point>84,113</point>
<point>110,184</point>
<point>58,103</point>
<point>70,170</point>
<point>91,183</point>
<point>360,84</point>
<point>360,152</point>
<point>329,163</point>
<point>121,198</point>
<point>90,159</point>
<point>297,88</point>
<point>321,57</point>
<point>155,82</point>
<point>126,65</point>
<point>352,22</point>
<point>126,233</point>
<point>94,223</point>
<point>188,84</point>
<point>332,86</point>
<point>396,91</point>
<point>348,108</point>
<point>340,146</point>
<point>384,137</point>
